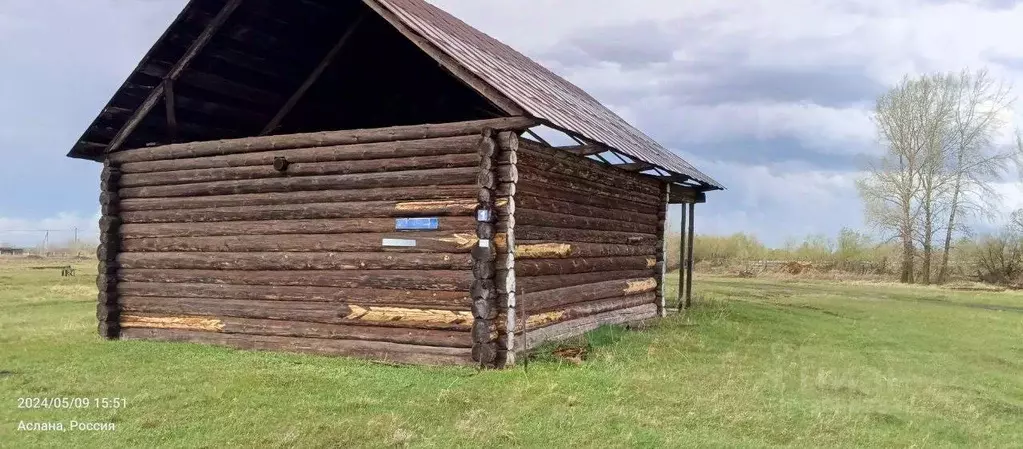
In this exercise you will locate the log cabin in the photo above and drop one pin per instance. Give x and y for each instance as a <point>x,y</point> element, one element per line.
<point>364,178</point>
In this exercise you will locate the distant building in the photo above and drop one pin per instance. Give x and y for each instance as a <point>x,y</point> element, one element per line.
<point>11,251</point>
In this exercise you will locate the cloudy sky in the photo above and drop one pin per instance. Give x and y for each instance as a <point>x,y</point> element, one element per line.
<point>772,98</point>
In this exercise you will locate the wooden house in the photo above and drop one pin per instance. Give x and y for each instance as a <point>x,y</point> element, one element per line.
<point>363,178</point>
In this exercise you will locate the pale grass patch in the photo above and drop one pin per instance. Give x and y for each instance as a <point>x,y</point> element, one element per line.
<point>73,290</point>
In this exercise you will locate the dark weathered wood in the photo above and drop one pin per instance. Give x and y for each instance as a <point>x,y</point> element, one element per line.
<point>454,300</point>
<point>249,326</point>
<point>662,309</point>
<point>336,153</point>
<point>559,298</point>
<point>529,175</point>
<point>580,326</point>
<point>635,166</point>
<point>296,261</point>
<point>526,216</point>
<point>507,173</point>
<point>319,139</point>
<point>526,232</point>
<point>541,249</point>
<point>281,227</point>
<point>413,178</point>
<point>311,312</point>
<point>686,195</point>
<point>544,267</point>
<point>311,79</point>
<point>485,354</point>
<point>323,196</point>
<point>420,208</point>
<point>536,284</point>
<point>578,310</point>
<point>682,263</point>
<point>384,351</point>
<point>583,150</point>
<point>548,204</point>
<point>299,169</point>
<point>108,307</point>
<point>154,96</point>
<point>689,256</point>
<point>450,64</point>
<point>483,269</point>
<point>444,242</point>
<point>551,161</point>
<point>554,192</point>
<point>170,110</point>
<point>399,279</point>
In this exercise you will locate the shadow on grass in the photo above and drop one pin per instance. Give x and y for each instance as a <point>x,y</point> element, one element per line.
<point>575,350</point>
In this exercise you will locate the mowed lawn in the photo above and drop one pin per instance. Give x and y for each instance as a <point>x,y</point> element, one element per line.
<point>757,363</point>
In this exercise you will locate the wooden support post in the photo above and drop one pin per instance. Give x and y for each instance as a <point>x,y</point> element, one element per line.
<point>108,311</point>
<point>680,302</point>
<point>484,257</point>
<point>508,147</point>
<point>689,257</point>
<point>311,79</point>
<point>172,74</point>
<point>661,248</point>
<point>172,116</point>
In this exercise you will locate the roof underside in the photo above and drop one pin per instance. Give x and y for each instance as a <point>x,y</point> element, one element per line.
<point>265,51</point>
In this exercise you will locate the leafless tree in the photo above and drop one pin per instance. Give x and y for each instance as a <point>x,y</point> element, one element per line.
<point>972,161</point>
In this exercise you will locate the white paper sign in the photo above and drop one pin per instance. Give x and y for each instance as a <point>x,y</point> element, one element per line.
<point>399,242</point>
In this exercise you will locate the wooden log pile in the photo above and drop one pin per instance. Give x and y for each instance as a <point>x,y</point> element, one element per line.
<point>374,243</point>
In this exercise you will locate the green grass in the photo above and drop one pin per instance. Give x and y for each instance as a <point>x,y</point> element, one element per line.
<point>758,363</point>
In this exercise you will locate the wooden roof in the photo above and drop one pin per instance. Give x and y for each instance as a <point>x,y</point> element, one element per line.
<point>234,68</point>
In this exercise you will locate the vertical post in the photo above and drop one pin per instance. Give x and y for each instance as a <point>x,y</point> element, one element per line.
<point>108,311</point>
<point>681,258</point>
<point>689,256</point>
<point>662,245</point>
<point>484,258</point>
<point>507,177</point>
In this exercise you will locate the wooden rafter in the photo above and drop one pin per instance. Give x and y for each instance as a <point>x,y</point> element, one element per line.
<point>449,63</point>
<point>311,79</point>
<point>636,166</point>
<point>584,150</point>
<point>158,92</point>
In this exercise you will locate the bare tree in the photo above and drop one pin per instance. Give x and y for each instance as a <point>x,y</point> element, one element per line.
<point>910,119</point>
<point>972,162</point>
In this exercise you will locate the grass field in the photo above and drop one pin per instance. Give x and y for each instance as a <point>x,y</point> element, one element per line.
<point>758,363</point>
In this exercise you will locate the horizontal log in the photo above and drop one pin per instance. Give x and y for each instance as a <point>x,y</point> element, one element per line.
<point>319,139</point>
<point>296,261</point>
<point>411,178</point>
<point>561,297</point>
<point>547,204</point>
<point>312,312</point>
<point>583,309</point>
<point>453,300</point>
<point>540,249</point>
<point>534,284</point>
<point>383,351</point>
<point>367,209</point>
<point>587,168</point>
<point>299,169</point>
<point>354,152</point>
<point>532,175</point>
<point>580,326</point>
<point>544,267</point>
<point>525,232</point>
<point>534,217</point>
<point>415,242</point>
<point>248,326</point>
<point>440,280</point>
<point>282,227</point>
<point>322,196</point>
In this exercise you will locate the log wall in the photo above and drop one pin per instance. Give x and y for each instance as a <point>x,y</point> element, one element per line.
<point>585,245</point>
<point>290,242</point>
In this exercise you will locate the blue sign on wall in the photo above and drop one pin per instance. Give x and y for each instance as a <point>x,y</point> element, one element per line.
<point>417,224</point>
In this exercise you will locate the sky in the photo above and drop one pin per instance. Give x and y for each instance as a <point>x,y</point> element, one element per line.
<point>771,98</point>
